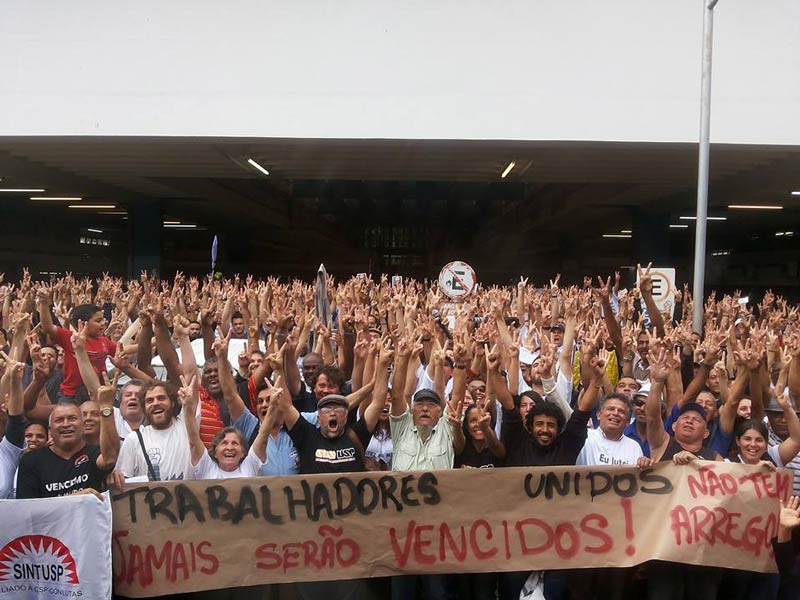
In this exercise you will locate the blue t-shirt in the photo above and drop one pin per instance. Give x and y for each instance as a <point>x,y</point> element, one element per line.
<point>631,432</point>
<point>282,457</point>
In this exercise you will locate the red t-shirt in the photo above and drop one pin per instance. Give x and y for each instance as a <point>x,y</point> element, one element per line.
<point>210,419</point>
<point>98,350</point>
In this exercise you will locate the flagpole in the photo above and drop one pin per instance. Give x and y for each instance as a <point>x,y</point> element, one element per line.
<point>703,167</point>
<point>214,251</point>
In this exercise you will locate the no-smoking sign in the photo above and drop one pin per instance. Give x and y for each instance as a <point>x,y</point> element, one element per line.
<point>457,280</point>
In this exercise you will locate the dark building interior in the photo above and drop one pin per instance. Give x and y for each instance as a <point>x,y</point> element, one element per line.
<point>397,207</point>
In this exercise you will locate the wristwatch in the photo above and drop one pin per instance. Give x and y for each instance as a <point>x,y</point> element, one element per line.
<point>107,411</point>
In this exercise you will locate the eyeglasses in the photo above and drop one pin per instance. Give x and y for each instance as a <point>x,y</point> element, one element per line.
<point>481,389</point>
<point>326,410</point>
<point>639,403</point>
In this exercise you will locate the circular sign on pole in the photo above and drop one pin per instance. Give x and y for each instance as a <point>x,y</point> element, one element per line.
<point>457,280</point>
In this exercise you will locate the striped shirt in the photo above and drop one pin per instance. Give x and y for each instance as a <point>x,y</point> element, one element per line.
<point>793,464</point>
<point>211,422</point>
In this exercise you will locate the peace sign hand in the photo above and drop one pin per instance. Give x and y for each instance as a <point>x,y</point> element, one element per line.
<point>645,279</point>
<point>79,337</point>
<point>188,393</point>
<point>605,287</point>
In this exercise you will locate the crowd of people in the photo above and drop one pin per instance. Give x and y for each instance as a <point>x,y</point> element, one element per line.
<point>140,377</point>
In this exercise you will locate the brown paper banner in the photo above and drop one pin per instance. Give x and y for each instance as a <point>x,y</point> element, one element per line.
<point>186,536</point>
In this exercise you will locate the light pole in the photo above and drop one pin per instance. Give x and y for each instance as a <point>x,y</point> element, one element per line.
<point>702,167</point>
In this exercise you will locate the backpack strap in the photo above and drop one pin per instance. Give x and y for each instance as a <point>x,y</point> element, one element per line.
<point>150,470</point>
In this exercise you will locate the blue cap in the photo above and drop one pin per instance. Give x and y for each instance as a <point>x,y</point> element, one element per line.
<point>695,407</point>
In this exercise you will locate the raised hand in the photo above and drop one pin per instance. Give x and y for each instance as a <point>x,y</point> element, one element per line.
<point>107,392</point>
<point>571,307</point>
<point>180,327</point>
<point>16,368</point>
<point>120,359</point>
<point>712,347</point>
<point>386,352</point>
<point>790,513</point>
<point>605,287</point>
<point>361,346</point>
<point>220,345</point>
<point>79,337</point>
<point>659,367</point>
<point>188,393</point>
<point>403,347</point>
<point>454,417</point>
<point>275,359</point>
<point>598,364</point>
<point>34,345</point>
<point>547,358</point>
<point>484,418</point>
<point>493,359</point>
<point>645,279</point>
<point>44,294</point>
<point>782,397</point>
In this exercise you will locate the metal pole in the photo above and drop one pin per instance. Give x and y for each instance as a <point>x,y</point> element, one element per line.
<point>702,169</point>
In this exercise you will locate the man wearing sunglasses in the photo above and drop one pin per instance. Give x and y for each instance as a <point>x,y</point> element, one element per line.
<point>637,429</point>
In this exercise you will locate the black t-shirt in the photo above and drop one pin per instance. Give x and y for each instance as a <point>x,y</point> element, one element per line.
<point>522,449</point>
<point>470,458</point>
<point>319,454</point>
<point>674,448</point>
<point>44,474</point>
<point>305,401</point>
<point>243,387</point>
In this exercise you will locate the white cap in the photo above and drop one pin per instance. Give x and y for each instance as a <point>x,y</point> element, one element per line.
<point>526,357</point>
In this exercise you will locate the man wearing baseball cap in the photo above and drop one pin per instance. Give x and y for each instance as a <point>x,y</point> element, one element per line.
<point>334,447</point>
<point>690,427</point>
<point>420,442</point>
<point>423,441</point>
<point>666,579</point>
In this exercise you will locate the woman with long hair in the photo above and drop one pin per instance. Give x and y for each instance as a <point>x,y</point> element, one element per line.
<point>752,439</point>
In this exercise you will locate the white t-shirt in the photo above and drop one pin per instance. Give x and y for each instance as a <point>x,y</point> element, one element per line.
<point>123,429</point>
<point>426,383</point>
<point>168,450</point>
<point>206,468</point>
<point>600,450</point>
<point>9,460</point>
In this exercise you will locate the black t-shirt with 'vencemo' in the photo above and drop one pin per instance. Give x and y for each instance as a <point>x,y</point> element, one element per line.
<point>319,454</point>
<point>44,474</point>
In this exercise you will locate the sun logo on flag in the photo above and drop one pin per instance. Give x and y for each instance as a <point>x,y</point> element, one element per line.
<point>37,558</point>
